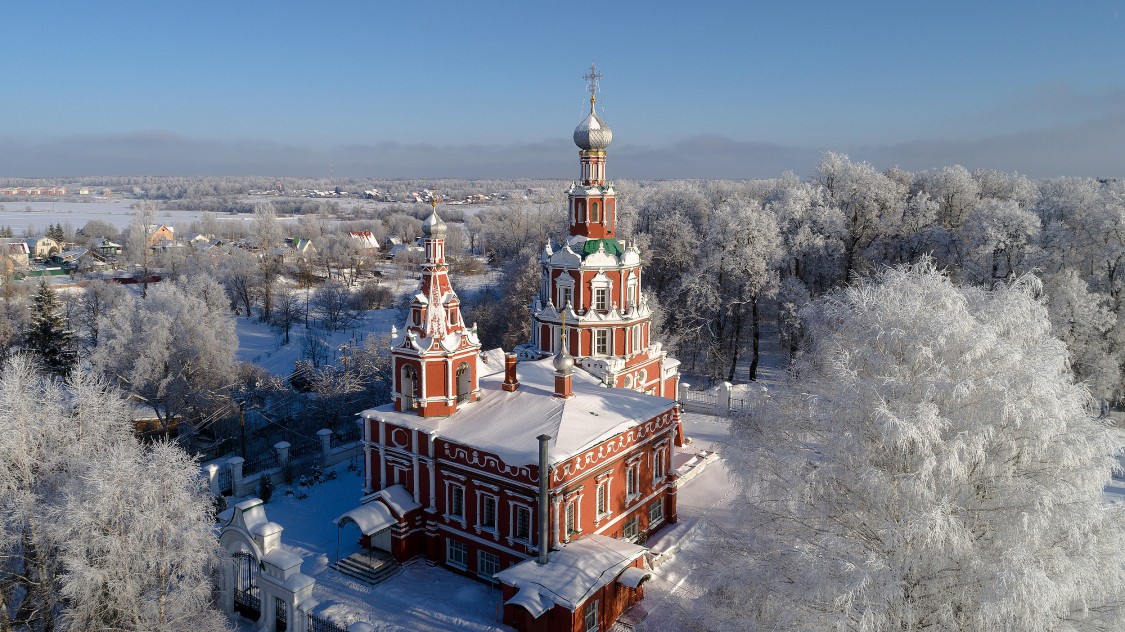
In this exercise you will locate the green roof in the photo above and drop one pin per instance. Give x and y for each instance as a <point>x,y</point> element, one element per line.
<point>612,247</point>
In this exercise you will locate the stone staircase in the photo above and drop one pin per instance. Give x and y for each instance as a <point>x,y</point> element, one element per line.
<point>369,567</point>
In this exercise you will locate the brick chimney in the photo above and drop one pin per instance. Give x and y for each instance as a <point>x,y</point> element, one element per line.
<point>511,383</point>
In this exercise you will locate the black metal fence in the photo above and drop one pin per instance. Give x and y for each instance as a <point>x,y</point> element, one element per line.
<point>215,451</point>
<point>348,435</point>
<point>316,624</point>
<point>226,486</point>
<point>304,451</point>
<point>265,461</point>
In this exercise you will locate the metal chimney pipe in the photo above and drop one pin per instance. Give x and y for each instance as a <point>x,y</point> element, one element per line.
<point>544,508</point>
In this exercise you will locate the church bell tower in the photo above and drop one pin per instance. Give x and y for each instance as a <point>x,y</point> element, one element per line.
<point>435,356</point>
<point>591,283</point>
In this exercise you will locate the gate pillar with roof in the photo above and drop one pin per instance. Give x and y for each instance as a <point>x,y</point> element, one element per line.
<point>262,579</point>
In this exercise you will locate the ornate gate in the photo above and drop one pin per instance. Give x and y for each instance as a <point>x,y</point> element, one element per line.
<point>246,599</point>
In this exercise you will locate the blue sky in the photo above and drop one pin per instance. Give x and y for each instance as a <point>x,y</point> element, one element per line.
<point>493,89</point>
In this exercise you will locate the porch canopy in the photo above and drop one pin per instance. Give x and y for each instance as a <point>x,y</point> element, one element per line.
<point>371,518</point>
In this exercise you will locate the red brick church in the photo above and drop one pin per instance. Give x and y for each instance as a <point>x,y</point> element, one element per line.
<point>543,470</point>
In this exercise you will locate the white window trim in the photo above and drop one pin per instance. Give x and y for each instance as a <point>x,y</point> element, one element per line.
<point>659,471</point>
<point>591,608</point>
<point>574,501</point>
<point>636,529</point>
<point>513,513</point>
<point>657,504</point>
<point>480,526</point>
<point>604,482</point>
<point>449,542</point>
<point>480,558</point>
<point>602,331</point>
<point>563,282</point>
<point>449,486</point>
<point>635,470</point>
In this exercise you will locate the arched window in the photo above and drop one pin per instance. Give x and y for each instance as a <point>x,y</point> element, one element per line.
<point>408,384</point>
<point>595,212</point>
<point>464,382</point>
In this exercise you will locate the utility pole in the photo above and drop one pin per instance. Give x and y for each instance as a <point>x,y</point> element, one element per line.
<point>242,418</point>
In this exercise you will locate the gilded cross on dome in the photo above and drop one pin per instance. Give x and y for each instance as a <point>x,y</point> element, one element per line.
<point>593,81</point>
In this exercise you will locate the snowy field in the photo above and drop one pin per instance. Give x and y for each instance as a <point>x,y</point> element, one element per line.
<point>261,345</point>
<point>117,212</point>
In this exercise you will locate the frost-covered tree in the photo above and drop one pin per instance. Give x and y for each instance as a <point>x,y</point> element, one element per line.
<point>997,238</point>
<point>174,349</point>
<point>934,466</point>
<point>96,531</point>
<point>1083,320</point>
<point>268,233</point>
<point>869,201</point>
<point>48,336</point>
<point>138,249</point>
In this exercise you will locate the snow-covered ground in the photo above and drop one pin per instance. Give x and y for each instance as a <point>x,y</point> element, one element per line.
<point>261,345</point>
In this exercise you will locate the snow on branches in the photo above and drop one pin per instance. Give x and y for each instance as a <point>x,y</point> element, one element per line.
<point>936,467</point>
<point>97,532</point>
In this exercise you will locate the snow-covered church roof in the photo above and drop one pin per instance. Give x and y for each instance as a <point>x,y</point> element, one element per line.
<point>507,423</point>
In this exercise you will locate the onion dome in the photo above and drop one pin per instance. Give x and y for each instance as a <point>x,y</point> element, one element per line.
<point>433,227</point>
<point>564,363</point>
<point>592,133</point>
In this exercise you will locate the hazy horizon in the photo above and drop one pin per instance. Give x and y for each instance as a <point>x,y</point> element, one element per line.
<point>454,90</point>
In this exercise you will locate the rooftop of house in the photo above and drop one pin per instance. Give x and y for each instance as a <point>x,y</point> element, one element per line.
<point>507,424</point>
<point>573,573</point>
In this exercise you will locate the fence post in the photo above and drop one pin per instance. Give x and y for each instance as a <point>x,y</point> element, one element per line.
<point>235,464</point>
<point>282,448</point>
<point>213,479</point>
<point>724,396</point>
<point>325,435</point>
<point>684,387</point>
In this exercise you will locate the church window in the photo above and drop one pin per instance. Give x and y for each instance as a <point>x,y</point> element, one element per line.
<point>601,298</point>
<point>590,617</point>
<point>408,386</point>
<point>488,564</point>
<point>630,530</point>
<point>456,501</point>
<point>488,512</point>
<point>631,480</point>
<point>456,554</point>
<point>658,465</point>
<point>601,341</point>
<point>522,527</point>
<point>571,519</point>
<point>595,213</point>
<point>566,296</point>
<point>603,498</point>
<point>464,382</point>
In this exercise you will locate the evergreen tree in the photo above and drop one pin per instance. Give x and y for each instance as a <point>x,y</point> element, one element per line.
<point>49,338</point>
